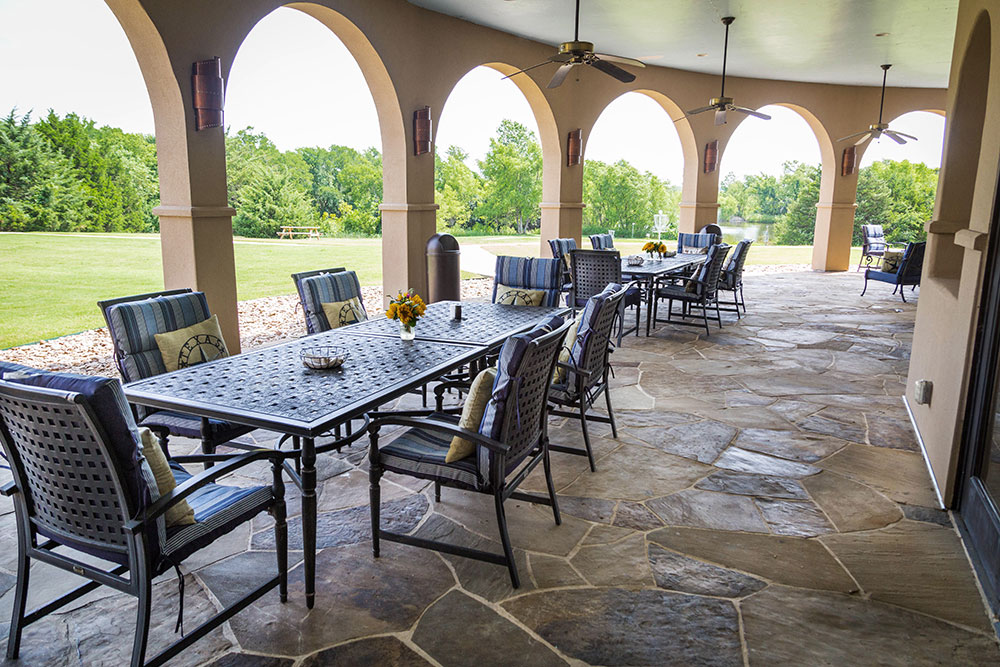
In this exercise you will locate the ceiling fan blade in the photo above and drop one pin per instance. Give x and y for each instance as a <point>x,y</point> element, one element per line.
<point>621,60</point>
<point>851,136</point>
<point>522,71</point>
<point>893,135</point>
<point>868,135</point>
<point>560,75</point>
<point>751,112</point>
<point>613,70</point>
<point>699,110</point>
<point>904,134</point>
<point>720,116</point>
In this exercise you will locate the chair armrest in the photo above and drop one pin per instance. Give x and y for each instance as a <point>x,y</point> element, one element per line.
<point>575,369</point>
<point>200,480</point>
<point>422,412</point>
<point>8,489</point>
<point>443,427</point>
<point>442,387</point>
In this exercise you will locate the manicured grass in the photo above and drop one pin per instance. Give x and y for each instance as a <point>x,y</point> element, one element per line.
<point>50,283</point>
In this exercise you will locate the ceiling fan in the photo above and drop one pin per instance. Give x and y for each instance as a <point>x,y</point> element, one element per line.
<point>722,104</point>
<point>878,129</point>
<point>576,53</point>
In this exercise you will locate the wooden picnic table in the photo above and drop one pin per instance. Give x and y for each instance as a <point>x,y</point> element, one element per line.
<point>289,231</point>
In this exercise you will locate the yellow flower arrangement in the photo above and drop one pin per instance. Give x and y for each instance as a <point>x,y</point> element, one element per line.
<point>406,307</point>
<point>655,246</point>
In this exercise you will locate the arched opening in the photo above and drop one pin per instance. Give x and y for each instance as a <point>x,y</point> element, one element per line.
<point>960,159</point>
<point>637,162</point>
<point>495,143</point>
<point>773,174</point>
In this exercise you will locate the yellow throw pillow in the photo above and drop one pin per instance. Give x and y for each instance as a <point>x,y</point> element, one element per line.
<point>472,414</point>
<point>192,345</point>
<point>181,513</point>
<point>891,261</point>
<point>519,296</point>
<point>559,375</point>
<point>342,313</point>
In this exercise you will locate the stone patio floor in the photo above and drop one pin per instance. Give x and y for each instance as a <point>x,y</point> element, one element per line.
<point>765,503</point>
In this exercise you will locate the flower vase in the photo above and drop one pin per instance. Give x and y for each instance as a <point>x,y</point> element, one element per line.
<point>407,332</point>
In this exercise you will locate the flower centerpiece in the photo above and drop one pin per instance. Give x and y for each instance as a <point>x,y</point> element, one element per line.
<point>406,308</point>
<point>655,247</point>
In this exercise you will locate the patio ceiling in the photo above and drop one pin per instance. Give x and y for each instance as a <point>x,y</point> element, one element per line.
<point>827,42</point>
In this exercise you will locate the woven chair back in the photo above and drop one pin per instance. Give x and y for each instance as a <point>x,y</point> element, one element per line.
<point>594,356</point>
<point>739,258</point>
<point>593,270</point>
<point>913,262</point>
<point>713,269</point>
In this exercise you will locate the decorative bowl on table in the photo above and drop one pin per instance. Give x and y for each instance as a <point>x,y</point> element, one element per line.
<point>324,357</point>
<point>669,253</point>
<point>634,260</point>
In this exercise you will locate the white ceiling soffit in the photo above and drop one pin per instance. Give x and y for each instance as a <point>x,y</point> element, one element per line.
<point>826,41</point>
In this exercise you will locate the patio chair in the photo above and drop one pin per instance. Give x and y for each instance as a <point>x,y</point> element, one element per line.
<point>731,277</point>
<point>560,250</point>
<point>509,443</point>
<point>586,369</point>
<point>329,286</point>
<point>592,271</point>
<point>699,291</point>
<point>133,322</point>
<point>693,243</point>
<point>873,246</point>
<point>81,483</point>
<point>712,229</point>
<point>522,281</point>
<point>907,273</point>
<point>602,241</point>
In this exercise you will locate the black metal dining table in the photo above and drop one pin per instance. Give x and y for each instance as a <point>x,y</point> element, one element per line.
<point>270,388</point>
<point>651,270</point>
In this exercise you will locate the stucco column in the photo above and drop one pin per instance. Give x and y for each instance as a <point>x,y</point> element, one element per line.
<point>835,220</point>
<point>196,243</point>
<point>561,220</point>
<point>704,208</point>
<point>405,231</point>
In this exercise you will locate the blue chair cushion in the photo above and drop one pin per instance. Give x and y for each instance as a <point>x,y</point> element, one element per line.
<point>882,276</point>
<point>530,273</point>
<point>687,241</point>
<point>561,247</point>
<point>329,288</point>
<point>422,453</point>
<point>589,319</point>
<point>602,241</point>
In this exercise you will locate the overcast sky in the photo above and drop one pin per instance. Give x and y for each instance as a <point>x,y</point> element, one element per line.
<point>71,55</point>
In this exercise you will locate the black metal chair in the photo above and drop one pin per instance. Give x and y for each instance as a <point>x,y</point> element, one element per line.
<point>731,277</point>
<point>712,229</point>
<point>587,369</point>
<point>703,292</point>
<point>560,250</point>
<point>907,273</point>
<point>592,271</point>
<point>133,322</point>
<point>312,313</point>
<point>80,482</point>
<point>602,241</point>
<point>510,442</point>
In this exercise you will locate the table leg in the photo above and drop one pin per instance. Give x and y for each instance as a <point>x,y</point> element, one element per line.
<point>649,304</point>
<point>309,517</point>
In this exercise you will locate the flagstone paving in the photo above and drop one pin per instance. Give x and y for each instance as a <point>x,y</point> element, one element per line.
<point>765,503</point>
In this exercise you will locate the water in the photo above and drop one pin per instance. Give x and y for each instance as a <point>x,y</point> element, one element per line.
<point>758,232</point>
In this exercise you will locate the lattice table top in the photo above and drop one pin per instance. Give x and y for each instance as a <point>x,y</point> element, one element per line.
<point>657,267</point>
<point>486,324</point>
<point>270,388</point>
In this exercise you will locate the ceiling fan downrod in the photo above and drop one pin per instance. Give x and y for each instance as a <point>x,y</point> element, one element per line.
<point>726,21</point>
<point>881,104</point>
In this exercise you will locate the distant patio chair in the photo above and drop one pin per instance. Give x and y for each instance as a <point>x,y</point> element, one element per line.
<point>133,322</point>
<point>82,488</point>
<point>699,291</point>
<point>592,271</point>
<point>602,241</point>
<point>525,278</point>
<point>328,286</point>
<point>585,375</point>
<point>907,273</point>
<point>712,229</point>
<point>560,250</point>
<point>694,243</point>
<point>731,277</point>
<point>873,246</point>
<point>511,440</point>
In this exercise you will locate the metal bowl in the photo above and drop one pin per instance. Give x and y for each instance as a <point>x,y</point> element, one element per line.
<point>324,357</point>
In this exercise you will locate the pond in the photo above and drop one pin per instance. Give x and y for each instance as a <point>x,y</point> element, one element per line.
<point>758,232</point>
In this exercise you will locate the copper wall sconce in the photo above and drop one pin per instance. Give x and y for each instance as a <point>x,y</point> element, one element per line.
<point>574,148</point>
<point>207,93</point>
<point>422,125</point>
<point>711,156</point>
<point>849,161</point>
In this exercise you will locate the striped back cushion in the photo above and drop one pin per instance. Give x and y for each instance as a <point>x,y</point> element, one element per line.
<point>328,288</point>
<point>133,325</point>
<point>602,241</point>
<point>561,247</point>
<point>685,241</point>
<point>528,272</point>
<point>873,232</point>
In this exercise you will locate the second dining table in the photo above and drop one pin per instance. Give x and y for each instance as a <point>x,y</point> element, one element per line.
<point>652,270</point>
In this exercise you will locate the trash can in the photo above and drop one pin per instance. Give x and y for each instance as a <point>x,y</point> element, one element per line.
<point>444,280</point>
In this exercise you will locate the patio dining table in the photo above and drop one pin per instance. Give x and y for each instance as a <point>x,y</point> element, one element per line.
<point>652,269</point>
<point>270,388</point>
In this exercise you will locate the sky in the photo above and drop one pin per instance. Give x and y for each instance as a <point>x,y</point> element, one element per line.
<point>72,55</point>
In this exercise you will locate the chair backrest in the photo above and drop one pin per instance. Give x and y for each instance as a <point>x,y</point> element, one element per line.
<point>592,271</point>
<point>517,412</point>
<point>734,267</point>
<point>530,273</point>
<point>688,242</point>
<point>602,241</point>
<point>593,338</point>
<point>297,278</point>
<point>712,229</point>
<point>708,274</point>
<point>874,238</point>
<point>73,450</point>
<point>912,264</point>
<point>561,247</point>
<point>326,287</point>
<point>134,320</point>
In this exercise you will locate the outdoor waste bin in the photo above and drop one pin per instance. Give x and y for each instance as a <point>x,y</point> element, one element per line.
<point>443,273</point>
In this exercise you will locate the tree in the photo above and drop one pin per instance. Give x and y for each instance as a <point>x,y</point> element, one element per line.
<point>897,195</point>
<point>269,199</point>
<point>512,171</point>
<point>734,198</point>
<point>458,190</point>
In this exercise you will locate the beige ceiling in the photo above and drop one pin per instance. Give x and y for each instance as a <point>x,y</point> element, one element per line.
<point>831,41</point>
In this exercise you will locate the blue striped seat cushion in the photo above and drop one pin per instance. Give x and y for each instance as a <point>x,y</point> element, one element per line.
<point>422,453</point>
<point>531,273</point>
<point>217,510</point>
<point>329,288</point>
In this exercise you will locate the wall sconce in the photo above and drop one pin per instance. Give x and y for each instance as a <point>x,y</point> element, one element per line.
<point>849,161</point>
<point>207,93</point>
<point>711,156</point>
<point>574,144</point>
<point>422,131</point>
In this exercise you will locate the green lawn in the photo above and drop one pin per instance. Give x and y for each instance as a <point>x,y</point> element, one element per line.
<point>50,283</point>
